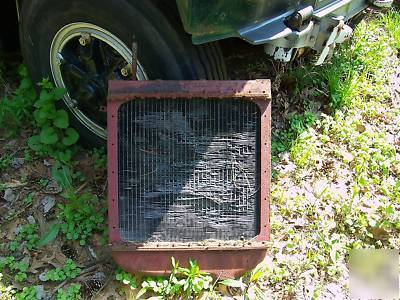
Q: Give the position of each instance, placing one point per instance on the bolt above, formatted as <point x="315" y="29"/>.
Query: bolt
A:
<point x="85" y="39"/>
<point x="73" y="103"/>
<point x="126" y="71"/>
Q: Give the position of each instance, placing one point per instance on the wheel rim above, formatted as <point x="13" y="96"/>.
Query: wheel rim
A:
<point x="83" y="57"/>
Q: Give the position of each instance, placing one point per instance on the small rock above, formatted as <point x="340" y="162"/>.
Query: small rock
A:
<point x="47" y="163"/>
<point x="31" y="220"/>
<point x="48" y="203"/>
<point x="335" y="290"/>
<point x="284" y="157"/>
<point x="40" y="293"/>
<point x="16" y="163"/>
<point x="347" y="157"/>
<point x="42" y="276"/>
<point x="53" y="188"/>
<point x="11" y="144"/>
<point x="92" y="252"/>
<point x="9" y="195"/>
<point x="17" y="230"/>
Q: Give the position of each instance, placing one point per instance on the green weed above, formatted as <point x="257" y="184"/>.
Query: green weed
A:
<point x="5" y="162"/>
<point x="28" y="200"/>
<point x="28" y="293"/>
<point x="81" y="216"/>
<point x="190" y="282"/>
<point x="16" y="112"/>
<point x="125" y="278"/>
<point x="392" y="22"/>
<point x="18" y="269"/>
<point x="27" y="236"/>
<point x="249" y="284"/>
<point x="69" y="271"/>
<point x="72" y="293"/>
<point x="55" y="138"/>
<point x="100" y="159"/>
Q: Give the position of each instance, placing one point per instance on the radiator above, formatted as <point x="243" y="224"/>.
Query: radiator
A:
<point x="188" y="172"/>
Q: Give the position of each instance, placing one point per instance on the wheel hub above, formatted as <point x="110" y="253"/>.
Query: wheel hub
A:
<point x="83" y="57"/>
<point x="92" y="92"/>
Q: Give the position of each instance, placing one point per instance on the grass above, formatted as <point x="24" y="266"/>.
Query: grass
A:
<point x="339" y="188"/>
<point x="336" y="185"/>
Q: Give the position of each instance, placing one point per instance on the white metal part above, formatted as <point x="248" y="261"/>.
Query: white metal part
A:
<point x="279" y="53"/>
<point x="345" y="34"/>
<point x="339" y="34"/>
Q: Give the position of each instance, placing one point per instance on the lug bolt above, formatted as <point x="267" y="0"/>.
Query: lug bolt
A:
<point x="126" y="71"/>
<point x="85" y="39"/>
<point x="73" y="103"/>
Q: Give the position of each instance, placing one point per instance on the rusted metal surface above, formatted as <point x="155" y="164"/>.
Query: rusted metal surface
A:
<point x="209" y="246"/>
<point x="217" y="258"/>
<point x="121" y="91"/>
<point x="221" y="263"/>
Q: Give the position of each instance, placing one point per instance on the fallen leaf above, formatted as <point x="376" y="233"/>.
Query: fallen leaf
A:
<point x="49" y="236"/>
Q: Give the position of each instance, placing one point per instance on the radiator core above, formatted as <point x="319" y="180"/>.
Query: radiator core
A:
<point x="188" y="170"/>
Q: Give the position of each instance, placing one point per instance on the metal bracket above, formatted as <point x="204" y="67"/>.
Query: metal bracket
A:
<point x="129" y="71"/>
<point x="340" y="33"/>
<point x="134" y="57"/>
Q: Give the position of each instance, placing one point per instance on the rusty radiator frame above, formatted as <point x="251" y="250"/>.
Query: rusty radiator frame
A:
<point x="225" y="258"/>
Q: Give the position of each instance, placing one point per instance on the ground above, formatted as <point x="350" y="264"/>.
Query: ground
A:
<point x="335" y="187"/>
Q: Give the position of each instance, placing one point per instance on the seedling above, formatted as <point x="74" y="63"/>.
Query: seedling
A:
<point x="55" y="138"/>
<point x="27" y="236"/>
<point x="16" y="112"/>
<point x="72" y="293"/>
<point x="81" y="216"/>
<point x="100" y="159"/>
<point x="69" y="271"/>
<point x="126" y="278"/>
<point x="19" y="269"/>
<point x="28" y="199"/>
<point x="189" y="281"/>
<point x="28" y="293"/>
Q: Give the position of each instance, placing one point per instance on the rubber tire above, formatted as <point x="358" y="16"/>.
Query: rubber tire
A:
<point x="164" y="50"/>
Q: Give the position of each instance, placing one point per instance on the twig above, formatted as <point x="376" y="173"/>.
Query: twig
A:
<point x="81" y="188"/>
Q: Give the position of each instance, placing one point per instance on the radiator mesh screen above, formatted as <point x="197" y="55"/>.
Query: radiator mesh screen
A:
<point x="188" y="170"/>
